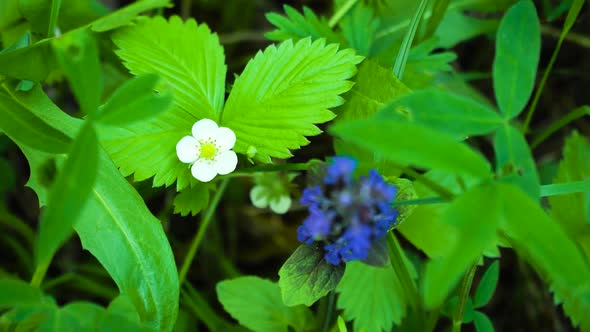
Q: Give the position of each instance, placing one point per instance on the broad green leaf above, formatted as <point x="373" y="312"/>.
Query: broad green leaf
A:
<point x="59" y="320"/>
<point x="482" y="322"/>
<point x="192" y="200"/>
<point x="371" y="296"/>
<point x="487" y="285"/>
<point x="256" y="303"/>
<point x="391" y="139"/>
<point x="77" y="54"/>
<point x="514" y="161"/>
<point x="22" y="125"/>
<point x="68" y="195"/>
<point x="306" y="276"/>
<point x="457" y="27"/>
<point x="29" y="63"/>
<point x="473" y="232"/>
<point x="518" y="47"/>
<point x="37" y="13"/>
<point x="535" y="236"/>
<point x="295" y="25"/>
<point x="457" y="116"/>
<point x="18" y="293"/>
<point x="359" y="26"/>
<point x="86" y="313"/>
<point x="117" y="228"/>
<point x="135" y="101"/>
<point x="283" y="92"/>
<point x="126" y="14"/>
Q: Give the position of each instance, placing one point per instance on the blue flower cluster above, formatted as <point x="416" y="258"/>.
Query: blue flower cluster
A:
<point x="347" y="215"/>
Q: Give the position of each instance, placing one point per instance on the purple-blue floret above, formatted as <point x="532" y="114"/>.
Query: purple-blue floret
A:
<point x="347" y="215"/>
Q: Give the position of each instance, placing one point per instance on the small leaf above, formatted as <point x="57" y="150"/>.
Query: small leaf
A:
<point x="135" y="101"/>
<point x="256" y="303"/>
<point x="359" y="27"/>
<point x="518" y="48"/>
<point x="487" y="285"/>
<point x="283" y="92"/>
<point x="296" y="26"/>
<point x="18" y="293"/>
<point x="87" y="314"/>
<point x="126" y="14"/>
<point x="341" y="324"/>
<point x="482" y="322"/>
<point x="371" y="296"/>
<point x="457" y="116"/>
<point x="192" y="200"/>
<point x="306" y="276"/>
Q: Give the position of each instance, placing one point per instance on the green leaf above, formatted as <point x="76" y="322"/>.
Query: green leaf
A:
<point x="296" y="26"/>
<point x="404" y="50"/>
<point x="29" y="63"/>
<point x="135" y="101"/>
<point x="256" y="303"/>
<point x="9" y="13"/>
<point x="38" y="13"/>
<point x="117" y="228"/>
<point x="306" y="276"/>
<point x="87" y="314"/>
<point x="283" y="92"/>
<point x="7" y="177"/>
<point x="457" y="116"/>
<point x="341" y="325"/>
<point x="18" y="293"/>
<point x="487" y="285"/>
<point x="68" y="195"/>
<point x="469" y="240"/>
<point x="518" y="47"/>
<point x="514" y="161"/>
<point x="482" y="322"/>
<point x="371" y="296"/>
<point x="22" y="125"/>
<point x="192" y="200"/>
<point x="77" y="54"/>
<point x="126" y="14"/>
<point x="535" y="236"/>
<point x="390" y="139"/>
<point x="359" y="27"/>
<point x="59" y="320"/>
<point x="456" y="27"/>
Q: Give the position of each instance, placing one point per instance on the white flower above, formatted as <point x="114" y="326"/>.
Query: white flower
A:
<point x="208" y="150"/>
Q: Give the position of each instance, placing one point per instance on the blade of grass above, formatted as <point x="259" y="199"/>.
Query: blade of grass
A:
<point x="404" y="51"/>
<point x="55" y="5"/>
<point x="341" y="12"/>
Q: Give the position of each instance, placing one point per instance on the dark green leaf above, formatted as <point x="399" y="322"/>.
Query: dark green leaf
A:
<point x="77" y="54"/>
<point x="192" y="200"/>
<point x="30" y="63"/>
<point x="482" y="322"/>
<point x="256" y="303"/>
<point x="306" y="276"/>
<point x="457" y="116"/>
<point x="371" y="296"/>
<point x="18" y="293"/>
<point x="487" y="285"/>
<point x="38" y="13"/>
<point x="68" y="195"/>
<point x="126" y="14"/>
<point x="135" y="100"/>
<point x="518" y="47"/>
<point x="86" y="313"/>
<point x="7" y="177"/>
<point x="514" y="161"/>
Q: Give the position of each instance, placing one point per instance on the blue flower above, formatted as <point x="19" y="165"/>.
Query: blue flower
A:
<point x="347" y="215"/>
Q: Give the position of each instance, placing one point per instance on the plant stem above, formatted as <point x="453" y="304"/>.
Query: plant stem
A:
<point x="341" y="12"/>
<point x="420" y="201"/>
<point x="17" y="225"/>
<point x="404" y="51"/>
<point x="201" y="232"/>
<point x="329" y="311"/>
<point x="185" y="8"/>
<point x="401" y="270"/>
<point x="39" y="274"/>
<point x="53" y="15"/>
<point x="443" y="192"/>
<point x="464" y="290"/>
<point x="560" y="123"/>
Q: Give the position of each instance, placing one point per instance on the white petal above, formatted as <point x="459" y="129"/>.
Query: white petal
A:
<point x="203" y="170"/>
<point x="259" y="197"/>
<point x="226" y="162"/>
<point x="281" y="204"/>
<point x="204" y="129"/>
<point x="224" y="138"/>
<point x="188" y="149"/>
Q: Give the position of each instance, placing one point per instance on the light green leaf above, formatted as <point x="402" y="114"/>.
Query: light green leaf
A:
<point x="457" y="116"/>
<point x="68" y="195"/>
<point x="518" y="47"/>
<point x="126" y="14"/>
<point x="18" y="293"/>
<point x="482" y="322"/>
<point x="371" y="296"/>
<point x="29" y="63"/>
<point x="487" y="285"/>
<point x="359" y="27"/>
<point x="390" y="139"/>
<point x="514" y="161"/>
<point x="283" y="92"/>
<point x="192" y="200"/>
<point x="306" y="276"/>
<point x="135" y="101"/>
<point x="256" y="303"/>
<point x="77" y="54"/>
<point x="295" y="25"/>
<point x="341" y="324"/>
<point x="469" y="240"/>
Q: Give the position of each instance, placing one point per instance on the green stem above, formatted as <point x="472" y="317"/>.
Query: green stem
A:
<point x="562" y="122"/>
<point x="571" y="37"/>
<point x="17" y="225"/>
<point x="420" y="201"/>
<point x="201" y="232"/>
<point x="329" y="312"/>
<point x="464" y="290"/>
<point x="53" y="15"/>
<point x="443" y="192"/>
<point x="39" y="274"/>
<point x="341" y="12"/>
<point x="401" y="270"/>
<point x="199" y="306"/>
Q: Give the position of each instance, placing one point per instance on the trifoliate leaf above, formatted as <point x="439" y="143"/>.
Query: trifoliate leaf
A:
<point x="306" y="276"/>
<point x="371" y="296"/>
<point x="283" y="92"/>
<point x="296" y="26"/>
<point x="190" y="60"/>
<point x="256" y="303"/>
<point x="192" y="200"/>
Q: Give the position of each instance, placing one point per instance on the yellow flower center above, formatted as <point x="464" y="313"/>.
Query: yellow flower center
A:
<point x="208" y="150"/>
